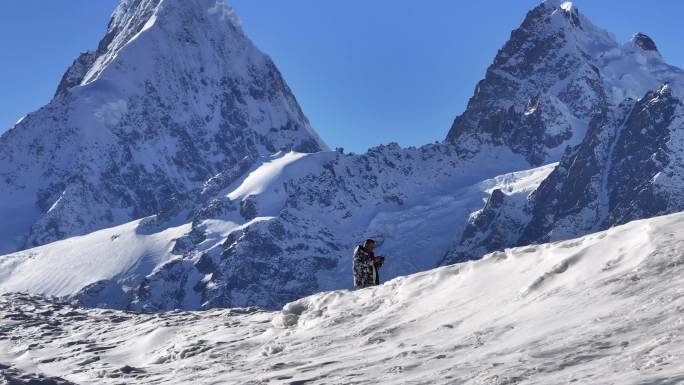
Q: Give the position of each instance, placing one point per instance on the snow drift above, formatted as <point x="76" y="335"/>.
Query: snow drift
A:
<point x="602" y="309"/>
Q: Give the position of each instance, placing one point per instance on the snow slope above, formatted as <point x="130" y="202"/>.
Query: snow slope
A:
<point x="66" y="267"/>
<point x="602" y="309"/>
<point x="274" y="235"/>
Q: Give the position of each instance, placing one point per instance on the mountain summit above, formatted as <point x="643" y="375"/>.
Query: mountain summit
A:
<point x="628" y="164"/>
<point x="557" y="70"/>
<point x="174" y="95"/>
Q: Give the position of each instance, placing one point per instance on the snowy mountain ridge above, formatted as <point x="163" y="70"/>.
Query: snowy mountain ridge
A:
<point x="175" y="94"/>
<point x="627" y="167"/>
<point x="279" y="232"/>
<point x="601" y="309"/>
<point x="626" y="163"/>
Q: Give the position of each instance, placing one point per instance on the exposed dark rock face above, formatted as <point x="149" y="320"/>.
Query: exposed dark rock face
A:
<point x="644" y="42"/>
<point x="541" y="85"/>
<point x="484" y="232"/>
<point x="76" y="72"/>
<point x="645" y="149"/>
<point x="616" y="155"/>
<point x="627" y="168"/>
<point x="612" y="177"/>
<point x="549" y="80"/>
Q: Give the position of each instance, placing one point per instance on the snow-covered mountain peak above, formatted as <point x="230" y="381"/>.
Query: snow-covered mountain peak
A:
<point x="174" y="95"/>
<point x="567" y="9"/>
<point x="564" y="22"/>
<point x="128" y="20"/>
<point x="569" y="13"/>
<point x="627" y="167"/>
<point x="556" y="71"/>
<point x="567" y="6"/>
<point x="171" y="26"/>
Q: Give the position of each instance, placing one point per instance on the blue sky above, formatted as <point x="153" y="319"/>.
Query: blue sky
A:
<point x="365" y="72"/>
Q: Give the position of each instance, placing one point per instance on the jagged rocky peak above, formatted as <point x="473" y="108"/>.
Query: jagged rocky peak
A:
<point x="621" y="157"/>
<point x="547" y="82"/>
<point x="628" y="167"/>
<point x="178" y="26"/>
<point x="553" y="8"/>
<point x="644" y="42"/>
<point x="166" y="28"/>
<point x="541" y="89"/>
<point x="572" y="12"/>
<point x="174" y="95"/>
<point x="128" y="19"/>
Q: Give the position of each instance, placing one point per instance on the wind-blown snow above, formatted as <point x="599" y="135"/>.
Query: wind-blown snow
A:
<point x="268" y="173"/>
<point x="602" y="309"/>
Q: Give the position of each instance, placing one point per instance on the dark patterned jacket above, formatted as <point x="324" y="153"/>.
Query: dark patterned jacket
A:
<point x="365" y="272"/>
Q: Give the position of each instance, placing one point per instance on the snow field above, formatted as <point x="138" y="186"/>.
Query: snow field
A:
<point x="602" y="309"/>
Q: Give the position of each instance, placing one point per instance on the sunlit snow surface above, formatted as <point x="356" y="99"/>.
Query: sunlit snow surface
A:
<point x="65" y="267"/>
<point x="602" y="309"/>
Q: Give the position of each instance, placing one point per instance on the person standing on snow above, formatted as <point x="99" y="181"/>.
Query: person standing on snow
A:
<point x="365" y="265"/>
